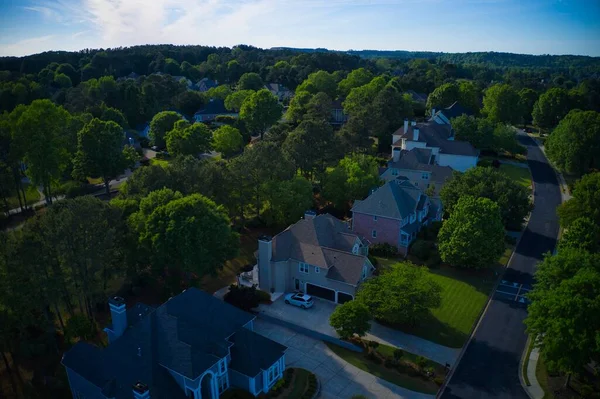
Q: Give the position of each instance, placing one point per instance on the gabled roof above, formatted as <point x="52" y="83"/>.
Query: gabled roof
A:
<point x="435" y="135"/>
<point x="454" y="110"/>
<point x="276" y="87"/>
<point x="251" y="352"/>
<point x="417" y="159"/>
<point x="215" y="106"/>
<point x="322" y="241"/>
<point x="418" y="97"/>
<point x="396" y="199"/>
<point x="187" y="334"/>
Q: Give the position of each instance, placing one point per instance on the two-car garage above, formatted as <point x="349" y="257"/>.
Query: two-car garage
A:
<point x="327" y="293"/>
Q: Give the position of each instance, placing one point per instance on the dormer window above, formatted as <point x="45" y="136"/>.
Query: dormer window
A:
<point x="355" y="249"/>
<point x="374" y="218"/>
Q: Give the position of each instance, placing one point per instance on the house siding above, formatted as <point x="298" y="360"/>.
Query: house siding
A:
<point x="388" y="230"/>
<point x="414" y="176"/>
<point x="315" y="278"/>
<point x="80" y="385"/>
<point x="239" y="380"/>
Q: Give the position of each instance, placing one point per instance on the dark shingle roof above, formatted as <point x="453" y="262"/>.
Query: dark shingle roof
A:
<point x="396" y="200"/>
<point x="251" y="352"/>
<point x="214" y="107"/>
<point x="454" y="110"/>
<point x="312" y="241"/>
<point x="187" y="334"/>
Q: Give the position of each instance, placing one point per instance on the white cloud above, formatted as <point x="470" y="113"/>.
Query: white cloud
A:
<point x="27" y="46"/>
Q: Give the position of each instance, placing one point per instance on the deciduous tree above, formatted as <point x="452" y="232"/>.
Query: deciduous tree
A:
<point x="582" y="234"/>
<point x="227" y="140"/>
<point x="501" y="104"/>
<point x="352" y="179"/>
<point x="351" y="318"/>
<point x="260" y="110"/>
<point x="473" y="236"/>
<point x="551" y="107"/>
<point x="189" y="140"/>
<point x="288" y="200"/>
<point x="584" y="202"/>
<point x="161" y="124"/>
<point x="250" y="81"/>
<point x="401" y="295"/>
<point x="234" y="101"/>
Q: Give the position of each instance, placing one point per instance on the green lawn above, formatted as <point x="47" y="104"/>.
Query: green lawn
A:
<point x="518" y="174"/>
<point x="161" y="162"/>
<point x="32" y="195"/>
<point x="414" y="383"/>
<point x="464" y="294"/>
<point x="300" y="384"/>
<point x="541" y="374"/>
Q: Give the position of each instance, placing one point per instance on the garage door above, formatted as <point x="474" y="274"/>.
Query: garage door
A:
<point x="320" y="292"/>
<point x="343" y="297"/>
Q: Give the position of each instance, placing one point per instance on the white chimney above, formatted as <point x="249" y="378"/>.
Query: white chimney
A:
<point x="396" y="154"/>
<point x="405" y="126"/>
<point x="265" y="254"/>
<point x="413" y="123"/>
<point x="416" y="134"/>
<point x="432" y="112"/>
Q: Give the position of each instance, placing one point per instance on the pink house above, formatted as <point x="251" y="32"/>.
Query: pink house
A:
<point x="394" y="214"/>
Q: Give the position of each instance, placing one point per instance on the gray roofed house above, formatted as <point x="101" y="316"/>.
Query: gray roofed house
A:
<point x="318" y="255"/>
<point x="280" y="91"/>
<point x="394" y="214"/>
<point x="439" y="138"/>
<point x="194" y="345"/>
<point x="443" y="116"/>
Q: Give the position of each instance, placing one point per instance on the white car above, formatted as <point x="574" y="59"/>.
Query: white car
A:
<point x="299" y="299"/>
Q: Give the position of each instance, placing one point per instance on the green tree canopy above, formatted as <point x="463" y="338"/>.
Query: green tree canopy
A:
<point x="351" y="179"/>
<point x="477" y="131"/>
<point x="565" y="301"/>
<point x="574" y="146"/>
<point x="161" y="124"/>
<point x="113" y="114"/>
<point x="288" y="200"/>
<point x="309" y="145"/>
<point x="351" y="318"/>
<point x="62" y="81"/>
<point x="298" y="106"/>
<point x="189" y="140"/>
<point x="511" y="197"/>
<point x="185" y="234"/>
<point x="401" y="295"/>
<point x="527" y="99"/>
<point x="100" y="152"/>
<point x="355" y="78"/>
<point x="260" y="110"/>
<point x="501" y="103"/>
<point x="227" y="140"/>
<point x="466" y="93"/>
<point x="320" y="81"/>
<point x="40" y="135"/>
<point x="473" y="236"/>
<point x="584" y="202"/>
<point x="250" y="81"/>
<point x="234" y="101"/>
<point x="551" y="107"/>
<point x="582" y="234"/>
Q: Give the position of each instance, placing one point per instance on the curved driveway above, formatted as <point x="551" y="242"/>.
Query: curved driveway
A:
<point x="489" y="367"/>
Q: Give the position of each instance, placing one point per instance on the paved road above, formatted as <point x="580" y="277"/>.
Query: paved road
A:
<point x="490" y="365"/>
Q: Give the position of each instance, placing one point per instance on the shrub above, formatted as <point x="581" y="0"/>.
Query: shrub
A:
<point x="385" y="249"/>
<point x="242" y="297"/>
<point x="434" y="259"/>
<point x="421" y="362"/>
<point x="72" y="189"/>
<point x="398" y="353"/>
<point x="389" y="362"/>
<point x="510" y="240"/>
<point x="373" y="344"/>
<point x="439" y="380"/>
<point x="496" y="164"/>
<point x="263" y="296"/>
<point x="485" y="163"/>
<point x="422" y="249"/>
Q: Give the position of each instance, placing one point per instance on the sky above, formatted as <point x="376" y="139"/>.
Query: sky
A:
<point x="517" y="26"/>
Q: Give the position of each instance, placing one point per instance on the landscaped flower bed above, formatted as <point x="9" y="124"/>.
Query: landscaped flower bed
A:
<point x="295" y="384"/>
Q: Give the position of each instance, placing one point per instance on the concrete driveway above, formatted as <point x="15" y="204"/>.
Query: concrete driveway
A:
<point x="339" y="379"/>
<point x="317" y="319"/>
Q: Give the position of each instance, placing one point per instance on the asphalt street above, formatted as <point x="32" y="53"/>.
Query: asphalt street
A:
<point x="489" y="367"/>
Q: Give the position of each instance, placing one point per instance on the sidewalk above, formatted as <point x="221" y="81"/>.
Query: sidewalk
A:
<point x="534" y="389"/>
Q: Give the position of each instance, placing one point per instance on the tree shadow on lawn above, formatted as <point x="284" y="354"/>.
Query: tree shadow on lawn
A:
<point x="482" y="280"/>
<point x="432" y="329"/>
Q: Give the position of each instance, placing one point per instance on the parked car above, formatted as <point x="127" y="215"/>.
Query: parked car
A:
<point x="302" y="300"/>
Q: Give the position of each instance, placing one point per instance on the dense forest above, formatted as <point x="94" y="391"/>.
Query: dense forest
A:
<point x="63" y="116"/>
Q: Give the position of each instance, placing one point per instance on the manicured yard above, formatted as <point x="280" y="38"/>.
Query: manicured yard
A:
<point x="161" y="162"/>
<point x="464" y="294"/>
<point x="298" y="386"/>
<point x="541" y="373"/>
<point x="413" y="382"/>
<point x="518" y="174"/>
<point x="32" y="195"/>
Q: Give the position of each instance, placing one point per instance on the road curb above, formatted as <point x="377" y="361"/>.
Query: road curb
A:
<point x="525" y="358"/>
<point x="487" y="305"/>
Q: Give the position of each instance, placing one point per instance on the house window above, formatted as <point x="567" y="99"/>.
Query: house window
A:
<point x="364" y="272"/>
<point x="222" y="366"/>
<point x="374" y="234"/>
<point x="222" y="383"/>
<point x="394" y="172"/>
<point x="374" y="218"/>
<point x="303" y="267"/>
<point x="273" y="373"/>
<point x="317" y="269"/>
<point x="425" y="176"/>
<point x="416" y="184"/>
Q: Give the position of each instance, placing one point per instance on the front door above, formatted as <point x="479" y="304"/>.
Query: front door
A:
<point x="297" y="284"/>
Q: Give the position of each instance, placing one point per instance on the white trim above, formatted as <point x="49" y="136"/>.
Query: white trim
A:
<point x="317" y="269"/>
<point x="303" y="266"/>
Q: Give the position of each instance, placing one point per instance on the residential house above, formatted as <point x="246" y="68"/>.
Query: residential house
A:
<point x="205" y="84"/>
<point x="394" y="213"/>
<point x="192" y="346"/>
<point x="131" y="138"/>
<point x="417" y="166"/>
<point x="338" y="117"/>
<point x="211" y="110"/>
<point x="318" y="255"/>
<point x="439" y="138"/>
<point x="188" y="83"/>
<point x="143" y="130"/>
<point x="444" y="115"/>
<point x="420" y="98"/>
<point x="282" y="93"/>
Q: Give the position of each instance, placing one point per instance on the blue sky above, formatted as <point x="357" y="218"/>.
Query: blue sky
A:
<point x="519" y="26"/>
